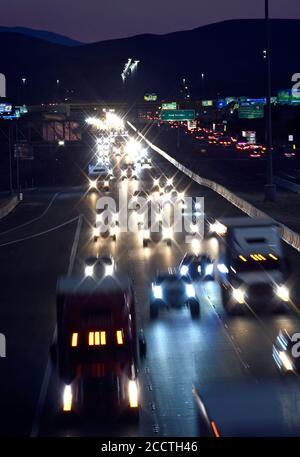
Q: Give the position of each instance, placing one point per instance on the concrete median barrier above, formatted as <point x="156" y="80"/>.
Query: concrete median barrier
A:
<point x="288" y="235"/>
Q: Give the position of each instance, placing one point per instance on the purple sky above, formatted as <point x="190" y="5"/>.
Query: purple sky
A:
<point x="94" y="20"/>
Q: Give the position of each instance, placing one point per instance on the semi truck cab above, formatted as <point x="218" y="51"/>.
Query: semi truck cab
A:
<point x="250" y="266"/>
<point x="97" y="346"/>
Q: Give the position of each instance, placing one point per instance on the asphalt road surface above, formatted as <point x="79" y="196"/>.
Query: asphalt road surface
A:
<point x="49" y="235"/>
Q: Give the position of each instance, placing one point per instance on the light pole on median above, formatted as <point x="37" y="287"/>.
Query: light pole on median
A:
<point x="23" y="90"/>
<point x="270" y="188"/>
<point x="202" y="85"/>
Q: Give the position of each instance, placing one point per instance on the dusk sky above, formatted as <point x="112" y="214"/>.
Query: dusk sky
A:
<point x="95" y="20"/>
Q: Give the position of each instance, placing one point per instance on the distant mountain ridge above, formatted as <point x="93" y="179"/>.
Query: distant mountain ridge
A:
<point x="229" y="54"/>
<point x="42" y="34"/>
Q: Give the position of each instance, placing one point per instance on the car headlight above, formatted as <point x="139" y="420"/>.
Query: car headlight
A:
<point x="133" y="394"/>
<point x="146" y="234"/>
<point x="89" y="270"/>
<point x="167" y="232"/>
<point x="109" y="269"/>
<point x="190" y="290"/>
<point x="113" y="230"/>
<point x="67" y="398"/>
<point x="209" y="269"/>
<point x="157" y="291"/>
<point x="286" y="361"/>
<point x="93" y="183"/>
<point x="283" y="293"/>
<point x="238" y="295"/>
<point x="184" y="270"/>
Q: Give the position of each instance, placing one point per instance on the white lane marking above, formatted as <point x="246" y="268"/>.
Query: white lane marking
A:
<point x="230" y="337"/>
<point x="47" y="374"/>
<point x="32" y="220"/>
<point x="44" y="232"/>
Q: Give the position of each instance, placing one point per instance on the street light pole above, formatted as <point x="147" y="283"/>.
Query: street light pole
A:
<point x="270" y="188"/>
<point x="23" y="90"/>
<point x="10" y="160"/>
<point x="57" y="90"/>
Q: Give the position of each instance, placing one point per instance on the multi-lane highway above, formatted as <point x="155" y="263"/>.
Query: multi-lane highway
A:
<point x="49" y="235"/>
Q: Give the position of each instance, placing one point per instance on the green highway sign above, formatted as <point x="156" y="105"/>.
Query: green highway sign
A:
<point x="250" y="111"/>
<point x="177" y="115"/>
<point x="150" y="97"/>
<point x="207" y="102"/>
<point x="170" y="105"/>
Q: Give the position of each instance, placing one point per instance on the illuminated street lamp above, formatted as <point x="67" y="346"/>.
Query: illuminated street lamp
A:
<point x="270" y="188"/>
<point x="23" y="89"/>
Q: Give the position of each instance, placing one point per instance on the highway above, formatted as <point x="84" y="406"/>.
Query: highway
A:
<point x="50" y="235"/>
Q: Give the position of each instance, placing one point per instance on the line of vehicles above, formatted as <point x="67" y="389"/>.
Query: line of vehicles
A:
<point x="241" y="148"/>
<point x="99" y="347"/>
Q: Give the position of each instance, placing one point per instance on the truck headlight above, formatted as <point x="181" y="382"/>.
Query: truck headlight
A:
<point x="286" y="361"/>
<point x="184" y="270"/>
<point x="89" y="270"/>
<point x="157" y="291"/>
<point x="67" y="398"/>
<point x="190" y="290"/>
<point x="167" y="232"/>
<point x="238" y="295"/>
<point x="283" y="293"/>
<point x="218" y="228"/>
<point x="133" y="394"/>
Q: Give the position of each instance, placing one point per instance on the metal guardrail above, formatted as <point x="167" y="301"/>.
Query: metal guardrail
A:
<point x="288" y="235"/>
<point x="6" y="208"/>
